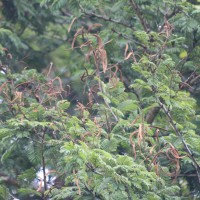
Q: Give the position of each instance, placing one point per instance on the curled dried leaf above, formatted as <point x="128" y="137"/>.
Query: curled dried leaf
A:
<point x="152" y="148"/>
<point x="132" y="143"/>
<point x="80" y="31"/>
<point x="94" y="26"/>
<point x="86" y="44"/>
<point x="128" y="56"/>
<point x="76" y="180"/>
<point x="125" y="52"/>
<point x="70" y="26"/>
<point x="140" y="133"/>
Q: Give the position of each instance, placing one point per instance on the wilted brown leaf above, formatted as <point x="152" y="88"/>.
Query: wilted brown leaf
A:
<point x="70" y="26"/>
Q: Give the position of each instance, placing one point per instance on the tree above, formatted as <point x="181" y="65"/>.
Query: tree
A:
<point x="134" y="135"/>
<point x="26" y="32"/>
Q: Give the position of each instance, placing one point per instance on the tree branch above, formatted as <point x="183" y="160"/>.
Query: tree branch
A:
<point x="127" y="38"/>
<point x="151" y="115"/>
<point x="139" y="14"/>
<point x="105" y="18"/>
<point x="168" y="16"/>
<point x="190" y="154"/>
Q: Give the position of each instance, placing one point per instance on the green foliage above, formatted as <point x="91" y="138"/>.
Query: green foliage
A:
<point x="89" y="158"/>
<point x="25" y="29"/>
<point x="120" y="124"/>
<point x="4" y="194"/>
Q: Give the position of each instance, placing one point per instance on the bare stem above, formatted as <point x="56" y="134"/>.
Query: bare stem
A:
<point x="190" y="154"/>
<point x="105" y="18"/>
<point x="139" y="14"/>
<point x="44" y="164"/>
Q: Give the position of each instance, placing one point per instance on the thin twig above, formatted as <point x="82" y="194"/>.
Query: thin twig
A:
<point x="190" y="154"/>
<point x="168" y="16"/>
<point x="113" y="114"/>
<point x="105" y="18"/>
<point x="44" y="164"/>
<point x="127" y="38"/>
<point x="139" y="14"/>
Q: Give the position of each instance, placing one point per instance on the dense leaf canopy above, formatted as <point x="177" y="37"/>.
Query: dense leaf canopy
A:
<point x="99" y="99"/>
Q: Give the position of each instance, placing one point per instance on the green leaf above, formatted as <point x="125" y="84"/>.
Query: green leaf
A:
<point x="63" y="105"/>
